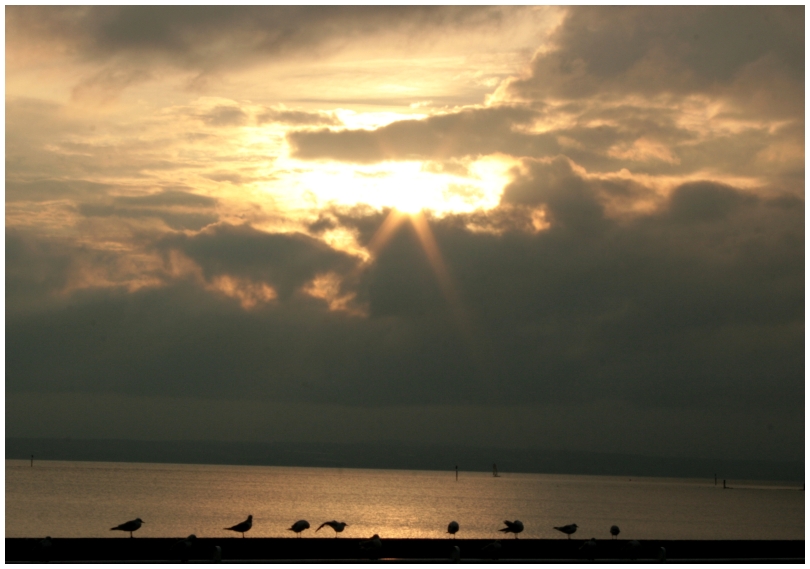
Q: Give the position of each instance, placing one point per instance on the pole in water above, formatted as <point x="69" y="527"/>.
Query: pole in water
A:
<point x="457" y="473"/>
<point x="32" y="460"/>
<point x="724" y="483"/>
<point x="715" y="479"/>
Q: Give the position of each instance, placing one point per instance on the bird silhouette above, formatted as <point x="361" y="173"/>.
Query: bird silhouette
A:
<point x="337" y="526"/>
<point x="615" y="531"/>
<point x="568" y="530"/>
<point x="242" y="527"/>
<point x="299" y="526"/>
<point x="589" y="547"/>
<point x="492" y="550"/>
<point x="452" y="528"/>
<point x="130" y="526"/>
<point x="512" y="527"/>
<point x="633" y="549"/>
<point x="184" y="547"/>
<point x="372" y="546"/>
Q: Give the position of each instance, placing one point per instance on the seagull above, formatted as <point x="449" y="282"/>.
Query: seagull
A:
<point x="129" y="526"/>
<point x="185" y="545"/>
<point x="492" y="549"/>
<point x="45" y="547"/>
<point x="569" y="529"/>
<point x="188" y="542"/>
<point x="590" y="548"/>
<point x="512" y="527"/>
<point x="373" y="545"/>
<point x="337" y="526"/>
<point x="299" y="526"/>
<point x="242" y="527"/>
<point x="634" y="546"/>
<point x="452" y="528"/>
<point x="614" y="531"/>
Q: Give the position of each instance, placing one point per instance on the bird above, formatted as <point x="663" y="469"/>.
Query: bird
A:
<point x="299" y="526"/>
<point x="452" y="528"/>
<point x="45" y="547"/>
<point x="662" y="554"/>
<point x="492" y="549"/>
<point x="590" y="548"/>
<point x="633" y="547"/>
<point x="242" y="527"/>
<point x="568" y="530"/>
<point x="130" y="526"/>
<point x="512" y="527"/>
<point x="615" y="531"/>
<point x="372" y="546"/>
<point x="188" y="542"/>
<point x="184" y="546"/>
<point x="455" y="554"/>
<point x="337" y="526"/>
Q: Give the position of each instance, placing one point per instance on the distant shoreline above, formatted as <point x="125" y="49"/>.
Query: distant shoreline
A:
<point x="400" y="456"/>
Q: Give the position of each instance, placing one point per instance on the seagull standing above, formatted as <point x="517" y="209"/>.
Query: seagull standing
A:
<point x="633" y="547"/>
<point x="614" y="531"/>
<point x="337" y="526"/>
<point x="299" y="526"/>
<point x="568" y="530"/>
<point x="452" y="528"/>
<point x="492" y="549"/>
<point x="590" y="548"/>
<point x="45" y="547"/>
<point x="129" y="526"/>
<point x="184" y="546"/>
<point x="242" y="527"/>
<point x="512" y="527"/>
<point x="373" y="546"/>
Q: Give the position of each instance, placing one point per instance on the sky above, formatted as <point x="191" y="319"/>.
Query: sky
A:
<point x="572" y="228"/>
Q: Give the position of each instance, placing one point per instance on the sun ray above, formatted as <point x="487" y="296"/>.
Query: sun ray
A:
<point x="386" y="231"/>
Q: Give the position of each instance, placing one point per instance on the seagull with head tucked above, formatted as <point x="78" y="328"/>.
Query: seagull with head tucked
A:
<point x="512" y="527"/>
<point x="452" y="528"/>
<point x="299" y="526"/>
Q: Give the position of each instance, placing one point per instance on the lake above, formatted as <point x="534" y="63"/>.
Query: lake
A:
<point x="86" y="499"/>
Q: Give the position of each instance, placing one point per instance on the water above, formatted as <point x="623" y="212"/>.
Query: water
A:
<point x="86" y="499"/>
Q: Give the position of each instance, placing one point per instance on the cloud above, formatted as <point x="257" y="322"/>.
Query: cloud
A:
<point x="178" y="209"/>
<point x="208" y="38"/>
<point x="284" y="261"/>
<point x="662" y="49"/>
<point x="297" y="118"/>
<point x="469" y="132"/>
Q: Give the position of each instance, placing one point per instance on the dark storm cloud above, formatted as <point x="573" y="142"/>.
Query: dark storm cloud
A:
<point x="600" y="139"/>
<point x="205" y="38"/>
<point x="178" y="209"/>
<point x="285" y="261"/>
<point x="696" y="305"/>
<point x="469" y="132"/>
<point x="681" y="49"/>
